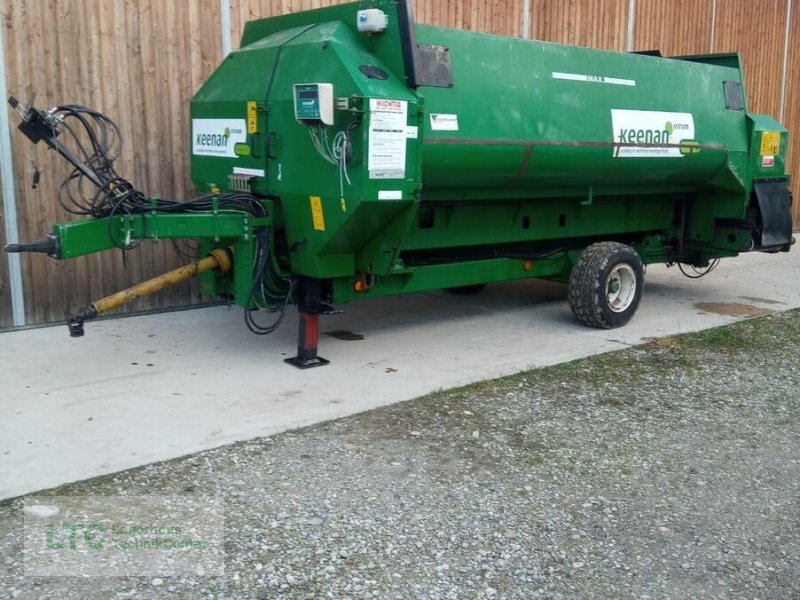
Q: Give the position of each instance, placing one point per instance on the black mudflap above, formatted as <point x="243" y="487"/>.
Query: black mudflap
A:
<point x="774" y="213"/>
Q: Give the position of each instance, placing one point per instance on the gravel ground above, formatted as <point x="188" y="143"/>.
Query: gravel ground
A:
<point x="669" y="470"/>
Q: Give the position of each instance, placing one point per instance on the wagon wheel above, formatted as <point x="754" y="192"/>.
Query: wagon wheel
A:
<point x="605" y="285"/>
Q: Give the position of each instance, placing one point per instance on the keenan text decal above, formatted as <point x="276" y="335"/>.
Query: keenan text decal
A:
<point x="652" y="134"/>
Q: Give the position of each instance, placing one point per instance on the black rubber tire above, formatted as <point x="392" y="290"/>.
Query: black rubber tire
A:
<point x="588" y="296"/>
<point x="466" y="290"/>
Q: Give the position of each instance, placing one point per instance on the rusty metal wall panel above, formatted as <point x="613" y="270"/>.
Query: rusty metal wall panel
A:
<point x="139" y="62"/>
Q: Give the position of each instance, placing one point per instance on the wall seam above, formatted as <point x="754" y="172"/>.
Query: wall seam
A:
<point x="225" y="26"/>
<point x="713" y="26"/>
<point x="10" y="198"/>
<point x="784" y="75"/>
<point x="526" y="19"/>
<point x="631" y="19"/>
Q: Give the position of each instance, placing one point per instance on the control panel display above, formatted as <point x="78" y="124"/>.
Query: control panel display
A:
<point x="313" y="103"/>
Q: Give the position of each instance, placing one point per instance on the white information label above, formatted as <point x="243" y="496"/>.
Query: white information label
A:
<point x="412" y="131"/>
<point x="217" y="137"/>
<point x="650" y="133"/>
<point x="594" y="78"/>
<point x="386" y="158"/>
<point x="245" y="171"/>
<point x="444" y="122"/>
<point x="390" y="195"/>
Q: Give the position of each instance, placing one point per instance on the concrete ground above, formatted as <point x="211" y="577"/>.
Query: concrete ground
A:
<point x="144" y="389"/>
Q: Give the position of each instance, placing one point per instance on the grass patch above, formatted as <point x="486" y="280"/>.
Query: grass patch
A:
<point x="725" y="337"/>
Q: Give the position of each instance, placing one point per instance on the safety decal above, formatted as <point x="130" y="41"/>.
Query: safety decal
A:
<point x="386" y="156"/>
<point x="252" y="117"/>
<point x="316" y="213"/>
<point x="770" y="142"/>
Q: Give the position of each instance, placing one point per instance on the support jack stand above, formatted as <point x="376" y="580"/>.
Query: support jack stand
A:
<point x="307" y="342"/>
<point x="309" y="309"/>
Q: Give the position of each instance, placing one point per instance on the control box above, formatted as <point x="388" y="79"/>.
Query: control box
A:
<point x="313" y="103"/>
<point x="372" y="20"/>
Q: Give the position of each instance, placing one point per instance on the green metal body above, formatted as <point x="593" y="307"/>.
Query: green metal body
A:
<point x="536" y="151"/>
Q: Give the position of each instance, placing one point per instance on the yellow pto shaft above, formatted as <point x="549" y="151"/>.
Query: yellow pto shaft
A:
<point x="219" y="259"/>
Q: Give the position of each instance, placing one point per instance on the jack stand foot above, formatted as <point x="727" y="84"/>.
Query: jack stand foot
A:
<point x="307" y="342"/>
<point x="306" y="363"/>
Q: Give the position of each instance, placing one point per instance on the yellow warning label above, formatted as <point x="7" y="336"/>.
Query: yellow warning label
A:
<point x="770" y="142"/>
<point x="252" y="117"/>
<point x="316" y="213"/>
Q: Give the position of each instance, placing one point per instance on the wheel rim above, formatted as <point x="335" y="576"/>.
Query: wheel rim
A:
<point x="620" y="287"/>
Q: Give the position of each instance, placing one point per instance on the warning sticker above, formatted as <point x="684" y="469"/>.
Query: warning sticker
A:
<point x="316" y="213"/>
<point x="252" y="117"/>
<point x="767" y="161"/>
<point x="386" y="158"/>
<point x="770" y="143"/>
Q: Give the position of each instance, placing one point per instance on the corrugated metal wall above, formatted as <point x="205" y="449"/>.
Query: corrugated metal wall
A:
<point x="140" y="61"/>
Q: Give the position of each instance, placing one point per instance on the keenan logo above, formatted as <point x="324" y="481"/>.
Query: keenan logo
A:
<point x="211" y="140"/>
<point x="219" y="137"/>
<point x="651" y="136"/>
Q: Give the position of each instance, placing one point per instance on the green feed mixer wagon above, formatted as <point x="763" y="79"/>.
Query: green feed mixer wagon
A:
<point x="347" y="152"/>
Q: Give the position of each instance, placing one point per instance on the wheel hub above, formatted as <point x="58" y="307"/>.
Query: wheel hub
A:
<point x="620" y="287"/>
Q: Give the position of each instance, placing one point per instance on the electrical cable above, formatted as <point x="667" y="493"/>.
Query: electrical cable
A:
<point x="97" y="143"/>
<point x="698" y="273"/>
<point x="334" y="152"/>
<point x="273" y="295"/>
